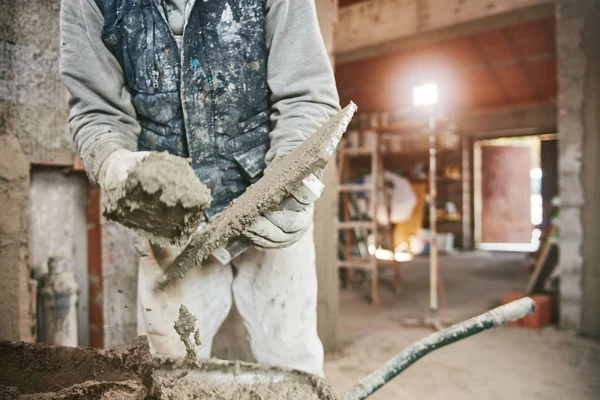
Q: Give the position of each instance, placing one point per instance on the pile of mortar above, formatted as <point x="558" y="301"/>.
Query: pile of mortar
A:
<point x="162" y="199"/>
<point x="47" y="372"/>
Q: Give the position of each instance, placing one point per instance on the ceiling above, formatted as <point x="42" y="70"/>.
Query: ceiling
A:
<point x="508" y="67"/>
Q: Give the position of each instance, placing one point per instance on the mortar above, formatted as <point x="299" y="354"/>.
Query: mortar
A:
<point x="162" y="199"/>
<point x="218" y="379"/>
<point x="48" y="372"/>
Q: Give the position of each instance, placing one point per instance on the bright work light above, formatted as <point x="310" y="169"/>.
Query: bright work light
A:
<point x="425" y="95"/>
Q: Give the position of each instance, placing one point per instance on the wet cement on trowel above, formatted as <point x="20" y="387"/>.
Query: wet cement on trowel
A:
<point x="266" y="194"/>
<point x="162" y="199"/>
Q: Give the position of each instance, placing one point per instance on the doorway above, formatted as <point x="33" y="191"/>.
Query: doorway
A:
<point x="507" y="193"/>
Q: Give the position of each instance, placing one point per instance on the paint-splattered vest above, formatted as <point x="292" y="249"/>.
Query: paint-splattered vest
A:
<point x="209" y="101"/>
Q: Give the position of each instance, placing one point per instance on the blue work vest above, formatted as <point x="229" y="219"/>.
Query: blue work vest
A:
<point x="208" y="101"/>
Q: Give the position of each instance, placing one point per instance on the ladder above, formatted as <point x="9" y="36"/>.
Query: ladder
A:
<point x="357" y="230"/>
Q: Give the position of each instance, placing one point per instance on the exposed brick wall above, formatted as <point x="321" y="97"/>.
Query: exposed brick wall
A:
<point x="385" y="82"/>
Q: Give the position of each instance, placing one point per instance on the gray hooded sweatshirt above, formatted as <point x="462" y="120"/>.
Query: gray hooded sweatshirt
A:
<point x="102" y="118"/>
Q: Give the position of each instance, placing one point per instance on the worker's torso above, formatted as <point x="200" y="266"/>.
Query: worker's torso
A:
<point x="209" y="99"/>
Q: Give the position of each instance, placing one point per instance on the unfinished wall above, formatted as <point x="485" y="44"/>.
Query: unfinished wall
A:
<point x="33" y="129"/>
<point x="57" y="227"/>
<point x="14" y="272"/>
<point x="33" y="122"/>
<point x="33" y="101"/>
<point x="578" y="41"/>
<point x="120" y="261"/>
<point x="590" y="319"/>
<point x="325" y="215"/>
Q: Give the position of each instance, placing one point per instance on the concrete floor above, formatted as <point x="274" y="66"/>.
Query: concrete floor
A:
<point x="504" y="363"/>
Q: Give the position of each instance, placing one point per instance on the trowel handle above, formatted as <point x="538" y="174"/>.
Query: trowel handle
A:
<point x="304" y="194"/>
<point x="232" y="249"/>
<point x="307" y="192"/>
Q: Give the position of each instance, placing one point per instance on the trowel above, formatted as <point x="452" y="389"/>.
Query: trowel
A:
<point x="287" y="182"/>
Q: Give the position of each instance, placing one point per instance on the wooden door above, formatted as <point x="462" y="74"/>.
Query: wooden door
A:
<point x="505" y="190"/>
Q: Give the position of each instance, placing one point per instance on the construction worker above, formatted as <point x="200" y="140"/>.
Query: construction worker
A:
<point x="233" y="85"/>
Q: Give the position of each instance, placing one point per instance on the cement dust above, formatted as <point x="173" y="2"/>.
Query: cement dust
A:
<point x="162" y="199"/>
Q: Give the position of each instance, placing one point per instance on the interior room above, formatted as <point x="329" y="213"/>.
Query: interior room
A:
<point x="317" y="199"/>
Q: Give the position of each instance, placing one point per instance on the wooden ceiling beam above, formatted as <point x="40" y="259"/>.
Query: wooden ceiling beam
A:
<point x="375" y="27"/>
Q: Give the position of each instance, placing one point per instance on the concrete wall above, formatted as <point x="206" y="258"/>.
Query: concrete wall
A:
<point x="325" y="215"/>
<point x="15" y="307"/>
<point x="119" y="277"/>
<point x="578" y="43"/>
<point x="33" y="101"/>
<point x="590" y="319"/>
<point x="33" y="126"/>
<point x="57" y="227"/>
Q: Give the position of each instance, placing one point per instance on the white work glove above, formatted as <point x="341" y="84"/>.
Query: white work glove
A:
<point x="280" y="228"/>
<point x="285" y="226"/>
<point x="116" y="167"/>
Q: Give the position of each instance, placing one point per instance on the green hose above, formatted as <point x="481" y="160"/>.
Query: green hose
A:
<point x="407" y="357"/>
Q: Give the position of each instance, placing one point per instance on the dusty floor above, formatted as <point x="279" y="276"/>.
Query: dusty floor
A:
<point x="505" y="363"/>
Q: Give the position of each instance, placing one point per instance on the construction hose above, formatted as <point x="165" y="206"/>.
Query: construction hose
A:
<point x="407" y="357"/>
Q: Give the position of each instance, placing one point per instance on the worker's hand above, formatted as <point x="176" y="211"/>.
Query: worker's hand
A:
<point x="280" y="228"/>
<point x="286" y="225"/>
<point x="115" y="168"/>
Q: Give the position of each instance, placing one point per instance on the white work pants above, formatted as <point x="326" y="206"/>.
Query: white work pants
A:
<point x="275" y="292"/>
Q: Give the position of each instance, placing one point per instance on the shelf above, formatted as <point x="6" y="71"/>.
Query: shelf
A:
<point x="447" y="220"/>
<point x="367" y="151"/>
<point x="363" y="263"/>
<point x="357" y="151"/>
<point x="444" y="219"/>
<point x="438" y="180"/>
<point x="420" y="153"/>
<point x="355" y="187"/>
<point x="355" y="264"/>
<point x="356" y="224"/>
<point x="408" y="126"/>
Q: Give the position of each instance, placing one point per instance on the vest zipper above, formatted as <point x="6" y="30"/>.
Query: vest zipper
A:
<point x="181" y="95"/>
